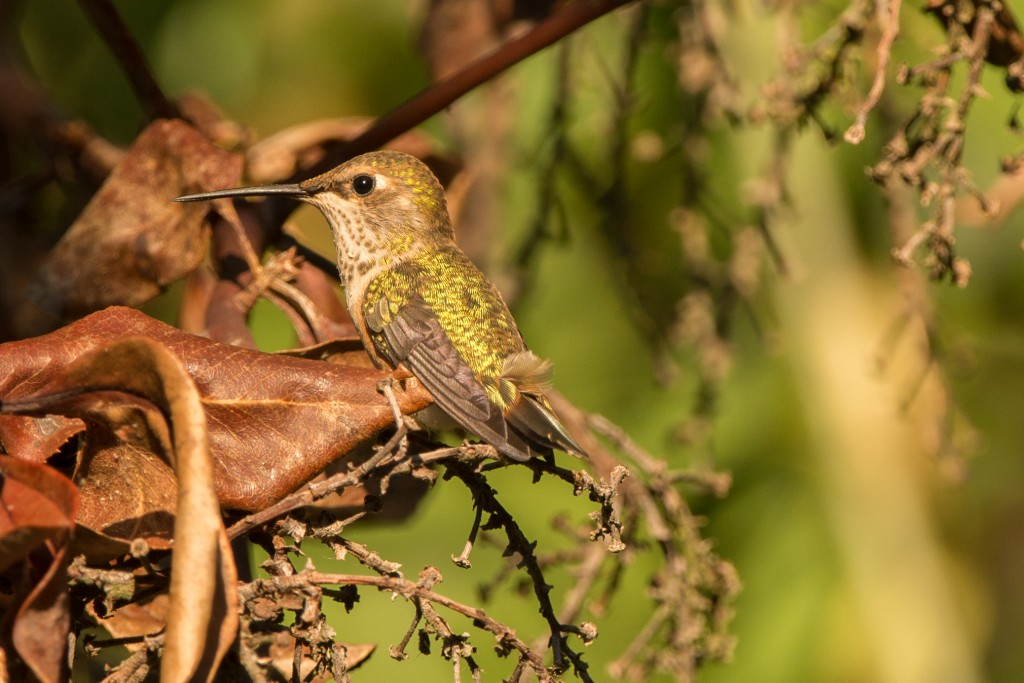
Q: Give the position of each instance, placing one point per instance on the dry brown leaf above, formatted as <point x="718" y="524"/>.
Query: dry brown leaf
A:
<point x="281" y="653"/>
<point x="349" y="351"/>
<point x="357" y="653"/>
<point x="130" y="492"/>
<point x="131" y="241"/>
<point x="136" y="390"/>
<point x="37" y="511"/>
<point x="202" y="615"/>
<point x="156" y="399"/>
<point x="404" y="492"/>
<point x="36" y="439"/>
<point x="146" y="617"/>
<point x="274" y="421"/>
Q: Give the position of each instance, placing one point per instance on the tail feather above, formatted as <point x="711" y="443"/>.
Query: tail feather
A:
<point x="533" y="418"/>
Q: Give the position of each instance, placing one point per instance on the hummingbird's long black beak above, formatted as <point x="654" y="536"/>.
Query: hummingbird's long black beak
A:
<point x="296" y="191"/>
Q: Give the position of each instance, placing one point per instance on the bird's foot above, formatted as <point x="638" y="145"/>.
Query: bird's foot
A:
<point x="404" y="424"/>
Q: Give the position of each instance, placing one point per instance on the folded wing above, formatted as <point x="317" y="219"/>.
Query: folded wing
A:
<point x="414" y="337"/>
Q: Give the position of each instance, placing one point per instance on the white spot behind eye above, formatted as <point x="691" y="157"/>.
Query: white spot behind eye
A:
<point x="381" y="181"/>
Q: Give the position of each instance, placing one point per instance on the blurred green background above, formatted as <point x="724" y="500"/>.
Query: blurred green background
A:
<point x="877" y="508"/>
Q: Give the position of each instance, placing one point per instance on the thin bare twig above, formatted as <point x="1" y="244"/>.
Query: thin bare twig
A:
<point x="484" y="497"/>
<point x="412" y="591"/>
<point x="855" y="133"/>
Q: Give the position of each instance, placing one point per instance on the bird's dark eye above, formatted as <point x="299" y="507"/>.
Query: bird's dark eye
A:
<point x="363" y="184"/>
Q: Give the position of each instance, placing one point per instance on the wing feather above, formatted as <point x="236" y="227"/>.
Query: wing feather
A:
<point x="414" y="337"/>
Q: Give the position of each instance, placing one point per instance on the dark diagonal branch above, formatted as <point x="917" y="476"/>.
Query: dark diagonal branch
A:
<point x="127" y="52"/>
<point x="485" y="498"/>
<point x="436" y="97"/>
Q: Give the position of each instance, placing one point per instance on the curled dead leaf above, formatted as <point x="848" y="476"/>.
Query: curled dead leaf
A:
<point x="36" y="439"/>
<point x="131" y="241"/>
<point x="156" y="403"/>
<point x="37" y="511"/>
<point x="135" y="391"/>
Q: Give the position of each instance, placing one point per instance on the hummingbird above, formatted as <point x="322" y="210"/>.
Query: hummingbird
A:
<point x="422" y="307"/>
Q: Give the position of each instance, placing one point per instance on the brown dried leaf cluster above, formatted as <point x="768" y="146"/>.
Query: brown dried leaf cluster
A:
<point x="37" y="514"/>
<point x="172" y="428"/>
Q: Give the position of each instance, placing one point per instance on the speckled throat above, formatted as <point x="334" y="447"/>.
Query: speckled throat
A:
<point x="366" y="243"/>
